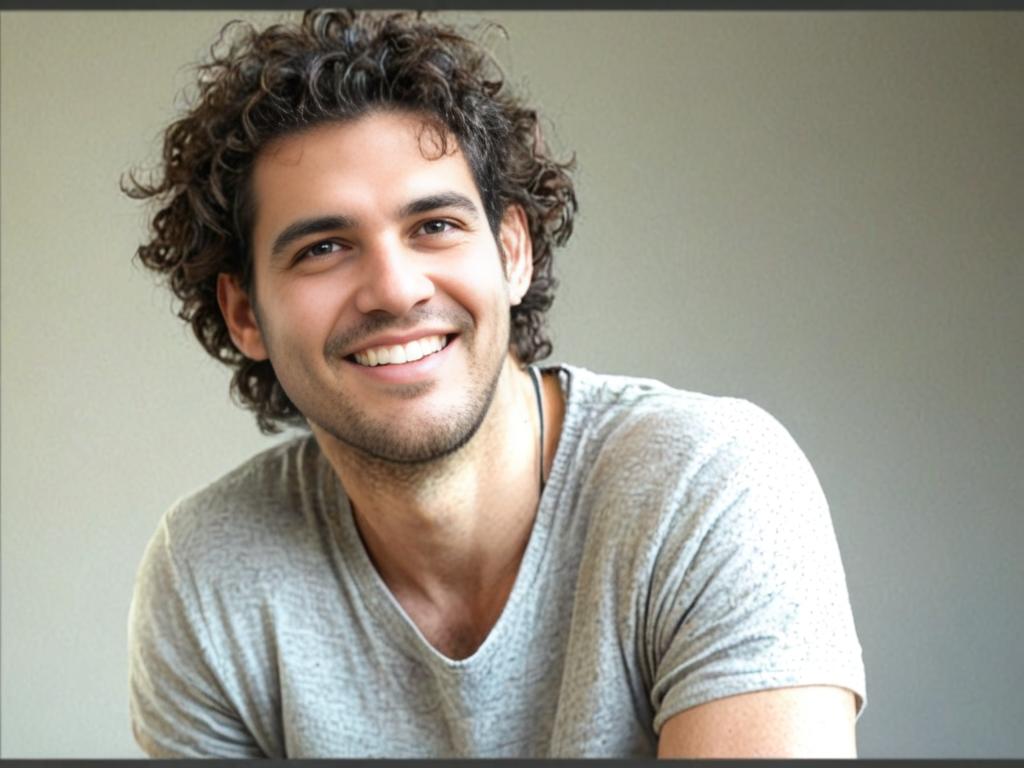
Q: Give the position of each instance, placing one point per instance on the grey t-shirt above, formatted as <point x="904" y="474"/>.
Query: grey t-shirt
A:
<point x="682" y="552"/>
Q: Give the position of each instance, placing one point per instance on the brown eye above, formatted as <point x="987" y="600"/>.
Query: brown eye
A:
<point x="436" y="227"/>
<point x="325" y="248"/>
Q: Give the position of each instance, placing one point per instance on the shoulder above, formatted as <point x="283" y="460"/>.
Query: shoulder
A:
<point x="663" y="472"/>
<point x="251" y="511"/>
<point x="211" y="575"/>
<point x="640" y="425"/>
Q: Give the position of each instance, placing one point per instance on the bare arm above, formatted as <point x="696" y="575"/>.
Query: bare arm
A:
<point x="805" y="721"/>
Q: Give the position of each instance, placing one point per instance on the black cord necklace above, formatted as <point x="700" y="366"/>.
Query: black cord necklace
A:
<point x="535" y="377"/>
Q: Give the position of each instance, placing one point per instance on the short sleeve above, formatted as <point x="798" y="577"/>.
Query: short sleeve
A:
<point x="750" y="594"/>
<point x="177" y="706"/>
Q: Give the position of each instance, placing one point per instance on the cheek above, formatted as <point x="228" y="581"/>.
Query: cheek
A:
<point x="304" y="312"/>
<point x="479" y="285"/>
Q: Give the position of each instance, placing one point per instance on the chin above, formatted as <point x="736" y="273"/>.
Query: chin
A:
<point x="417" y="441"/>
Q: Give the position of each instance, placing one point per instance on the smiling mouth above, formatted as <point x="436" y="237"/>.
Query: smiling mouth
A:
<point x="399" y="354"/>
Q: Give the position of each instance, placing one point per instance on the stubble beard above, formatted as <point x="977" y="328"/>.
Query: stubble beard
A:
<point x="410" y="449"/>
<point x="412" y="446"/>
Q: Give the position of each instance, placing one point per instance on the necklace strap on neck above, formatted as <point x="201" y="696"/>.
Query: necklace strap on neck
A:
<point x="535" y="378"/>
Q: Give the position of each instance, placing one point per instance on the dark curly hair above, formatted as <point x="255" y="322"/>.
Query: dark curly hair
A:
<point x="337" y="65"/>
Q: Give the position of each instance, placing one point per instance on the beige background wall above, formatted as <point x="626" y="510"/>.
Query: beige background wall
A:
<point x="819" y="212"/>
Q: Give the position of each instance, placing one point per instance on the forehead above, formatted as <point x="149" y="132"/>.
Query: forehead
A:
<point x="359" y="167"/>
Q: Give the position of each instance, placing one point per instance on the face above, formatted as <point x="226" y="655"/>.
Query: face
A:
<point x="380" y="295"/>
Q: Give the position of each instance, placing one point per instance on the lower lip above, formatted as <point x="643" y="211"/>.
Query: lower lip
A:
<point x="406" y="373"/>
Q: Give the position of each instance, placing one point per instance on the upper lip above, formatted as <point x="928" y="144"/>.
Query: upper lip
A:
<point x="399" y="339"/>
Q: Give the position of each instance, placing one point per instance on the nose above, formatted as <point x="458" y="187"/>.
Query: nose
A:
<point x="392" y="281"/>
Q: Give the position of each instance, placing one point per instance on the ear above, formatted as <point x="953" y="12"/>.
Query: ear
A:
<point x="240" y="317"/>
<point x="517" y="246"/>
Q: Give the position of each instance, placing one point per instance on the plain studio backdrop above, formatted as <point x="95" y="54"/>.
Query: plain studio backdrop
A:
<point x="819" y="212"/>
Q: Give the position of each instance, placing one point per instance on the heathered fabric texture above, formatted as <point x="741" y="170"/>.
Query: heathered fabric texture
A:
<point x="682" y="552"/>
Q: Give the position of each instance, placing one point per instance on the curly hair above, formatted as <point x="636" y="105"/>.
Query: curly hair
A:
<point x="335" y="66"/>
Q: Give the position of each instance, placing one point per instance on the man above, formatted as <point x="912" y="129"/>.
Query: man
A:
<point x="467" y="555"/>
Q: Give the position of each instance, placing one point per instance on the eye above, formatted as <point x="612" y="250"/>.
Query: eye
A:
<point x="318" y="250"/>
<point x="436" y="227"/>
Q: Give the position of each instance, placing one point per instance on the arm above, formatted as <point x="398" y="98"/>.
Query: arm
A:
<point x="176" y="700"/>
<point x="806" y="721"/>
<point x="755" y="652"/>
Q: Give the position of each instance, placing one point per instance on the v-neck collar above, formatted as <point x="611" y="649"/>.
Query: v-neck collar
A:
<point x="395" y="621"/>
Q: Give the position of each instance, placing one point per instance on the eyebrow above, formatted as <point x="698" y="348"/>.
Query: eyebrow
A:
<point x="305" y="227"/>
<point x="317" y="224"/>
<point x="440" y="200"/>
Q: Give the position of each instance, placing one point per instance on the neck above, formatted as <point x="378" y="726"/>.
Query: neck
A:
<point x="452" y="531"/>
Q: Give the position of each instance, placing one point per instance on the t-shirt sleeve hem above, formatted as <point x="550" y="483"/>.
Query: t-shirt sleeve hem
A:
<point x="151" y="746"/>
<point x="684" y="698"/>
<point x="151" y="742"/>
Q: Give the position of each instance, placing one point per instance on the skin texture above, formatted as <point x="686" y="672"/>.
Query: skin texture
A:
<point x="805" y="721"/>
<point x="440" y="464"/>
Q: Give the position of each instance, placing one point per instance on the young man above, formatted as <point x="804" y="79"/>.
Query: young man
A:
<point x="467" y="555"/>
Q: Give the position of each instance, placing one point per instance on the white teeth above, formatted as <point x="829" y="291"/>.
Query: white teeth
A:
<point x="401" y="353"/>
<point x="413" y="351"/>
